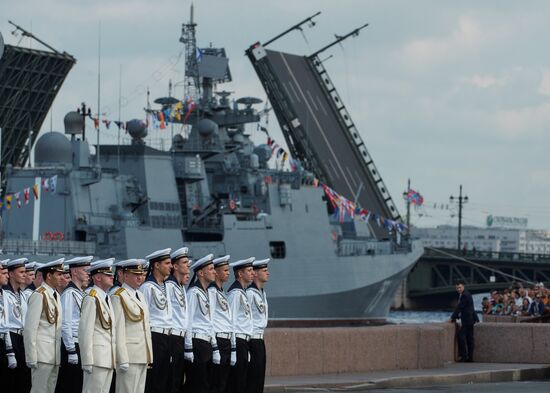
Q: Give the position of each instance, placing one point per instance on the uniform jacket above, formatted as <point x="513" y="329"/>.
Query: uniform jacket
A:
<point x="465" y="310"/>
<point x="97" y="331"/>
<point x="42" y="332"/>
<point x="133" y="335"/>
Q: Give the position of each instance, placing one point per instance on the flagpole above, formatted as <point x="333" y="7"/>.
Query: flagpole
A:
<point x="36" y="210"/>
<point x="119" y="114"/>
<point x="98" y="89"/>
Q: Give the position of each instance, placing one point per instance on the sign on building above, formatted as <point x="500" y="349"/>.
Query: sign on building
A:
<point x="506" y="222"/>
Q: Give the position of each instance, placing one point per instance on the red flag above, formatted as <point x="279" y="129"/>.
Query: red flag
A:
<point x="26" y="193"/>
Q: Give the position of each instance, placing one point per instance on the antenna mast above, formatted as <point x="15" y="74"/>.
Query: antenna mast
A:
<point x="188" y="38"/>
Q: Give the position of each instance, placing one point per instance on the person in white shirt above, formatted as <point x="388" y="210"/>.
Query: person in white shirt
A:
<point x="201" y="337"/>
<point x="97" y="331"/>
<point x="258" y="303"/>
<point x="18" y="375"/>
<point x="42" y="332"/>
<point x="242" y="322"/>
<point x="5" y="340"/>
<point x="70" y="373"/>
<point x="222" y="324"/>
<point x="134" y="350"/>
<point x="175" y="290"/>
<point x="160" y="315"/>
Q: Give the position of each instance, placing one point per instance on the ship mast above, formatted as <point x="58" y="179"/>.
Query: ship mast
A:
<point x="192" y="54"/>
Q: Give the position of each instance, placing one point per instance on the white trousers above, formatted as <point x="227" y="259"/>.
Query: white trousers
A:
<point x="44" y="378"/>
<point x="133" y="380"/>
<point x="99" y="381"/>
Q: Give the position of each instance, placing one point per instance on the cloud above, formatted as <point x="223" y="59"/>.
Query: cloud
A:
<point x="523" y="122"/>
<point x="484" y="81"/>
<point x="544" y="87"/>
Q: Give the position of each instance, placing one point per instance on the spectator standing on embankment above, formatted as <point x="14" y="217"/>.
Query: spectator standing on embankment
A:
<point x="468" y="317"/>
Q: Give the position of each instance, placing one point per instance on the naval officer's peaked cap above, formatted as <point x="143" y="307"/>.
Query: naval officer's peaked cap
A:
<point x="243" y="263"/>
<point x="15" y="263"/>
<point x="159" y="255"/>
<point x="101" y="266"/>
<point x="179" y="253"/>
<point x="31" y="266"/>
<point x="204" y="261"/>
<point x="222" y="261"/>
<point x="79" y="261"/>
<point x="260" y="263"/>
<point x="53" y="266"/>
<point x="136" y="266"/>
<point x="4" y="263"/>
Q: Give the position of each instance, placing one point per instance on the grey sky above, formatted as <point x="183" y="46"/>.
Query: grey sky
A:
<point x="443" y="92"/>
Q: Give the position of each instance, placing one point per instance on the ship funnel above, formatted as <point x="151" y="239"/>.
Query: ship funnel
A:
<point x="74" y="123"/>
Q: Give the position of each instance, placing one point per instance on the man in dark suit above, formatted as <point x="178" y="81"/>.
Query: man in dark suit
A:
<point x="468" y="317"/>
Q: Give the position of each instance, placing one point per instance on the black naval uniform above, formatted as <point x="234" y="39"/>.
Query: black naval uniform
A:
<point x="468" y="317"/>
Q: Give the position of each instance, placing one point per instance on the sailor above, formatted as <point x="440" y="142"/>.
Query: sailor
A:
<point x="42" y="332"/>
<point x="160" y="315"/>
<point x="18" y="376"/>
<point x="3" y="321"/>
<point x="242" y="321"/>
<point x="70" y="373"/>
<point x="200" y="336"/>
<point x="119" y="278"/>
<point x="96" y="330"/>
<point x="222" y="325"/>
<point x="258" y="304"/>
<point x="134" y="350"/>
<point x="175" y="289"/>
<point x="64" y="280"/>
<point x="33" y="279"/>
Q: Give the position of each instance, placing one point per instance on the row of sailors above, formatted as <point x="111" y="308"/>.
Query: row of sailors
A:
<point x="158" y="336"/>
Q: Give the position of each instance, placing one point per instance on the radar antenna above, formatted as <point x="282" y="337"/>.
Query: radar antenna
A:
<point x="192" y="55"/>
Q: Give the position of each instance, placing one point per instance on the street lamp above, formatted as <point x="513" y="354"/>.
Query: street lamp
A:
<point x="461" y="201"/>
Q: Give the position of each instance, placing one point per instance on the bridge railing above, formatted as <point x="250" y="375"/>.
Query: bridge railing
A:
<point x="490" y="255"/>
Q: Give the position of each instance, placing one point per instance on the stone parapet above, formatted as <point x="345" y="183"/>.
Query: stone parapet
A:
<point x="314" y="351"/>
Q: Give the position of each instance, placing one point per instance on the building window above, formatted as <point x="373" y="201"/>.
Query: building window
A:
<point x="277" y="249"/>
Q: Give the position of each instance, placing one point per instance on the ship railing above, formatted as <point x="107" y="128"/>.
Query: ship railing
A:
<point x="348" y="248"/>
<point x="47" y="247"/>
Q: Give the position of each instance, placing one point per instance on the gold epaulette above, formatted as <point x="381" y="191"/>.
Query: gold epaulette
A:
<point x="92" y="292"/>
<point x="41" y="290"/>
<point x="119" y="291"/>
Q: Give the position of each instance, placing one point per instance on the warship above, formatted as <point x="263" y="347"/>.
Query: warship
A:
<point x="215" y="191"/>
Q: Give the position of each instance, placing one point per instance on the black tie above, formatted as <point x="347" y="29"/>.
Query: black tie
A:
<point x="55" y="295"/>
<point x="107" y="300"/>
<point x="137" y="296"/>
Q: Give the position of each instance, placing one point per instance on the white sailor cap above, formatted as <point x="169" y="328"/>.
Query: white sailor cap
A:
<point x="159" y="255"/>
<point x="53" y="266"/>
<point x="204" y="261"/>
<point x="101" y="266"/>
<point x="243" y="263"/>
<point x="222" y="261"/>
<point x="79" y="261"/>
<point x="260" y="263"/>
<point x="30" y="266"/>
<point x="179" y="253"/>
<point x="133" y="265"/>
<point x="4" y="263"/>
<point x="15" y="263"/>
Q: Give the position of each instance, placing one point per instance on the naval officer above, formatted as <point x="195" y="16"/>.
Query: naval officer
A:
<point x="160" y="314"/>
<point x="222" y="325"/>
<point x="134" y="350"/>
<point x="200" y="336"/>
<point x="4" y="334"/>
<point x="42" y="332"/>
<point x="97" y="331"/>
<point x="242" y="321"/>
<point x="258" y="304"/>
<point x="70" y="373"/>
<point x="18" y="375"/>
<point x="175" y="289"/>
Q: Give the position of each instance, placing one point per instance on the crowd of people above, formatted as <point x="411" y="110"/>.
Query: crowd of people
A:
<point x="518" y="301"/>
<point x="70" y="326"/>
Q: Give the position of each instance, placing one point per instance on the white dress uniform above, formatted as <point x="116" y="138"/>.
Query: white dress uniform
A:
<point x="134" y="349"/>
<point x="177" y="297"/>
<point x="5" y="339"/>
<point x="18" y="379"/>
<point x="242" y="327"/>
<point x="70" y="373"/>
<point x="160" y="315"/>
<point x="200" y="333"/>
<point x="97" y="335"/>
<point x="42" y="333"/>
<point x="259" y="308"/>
